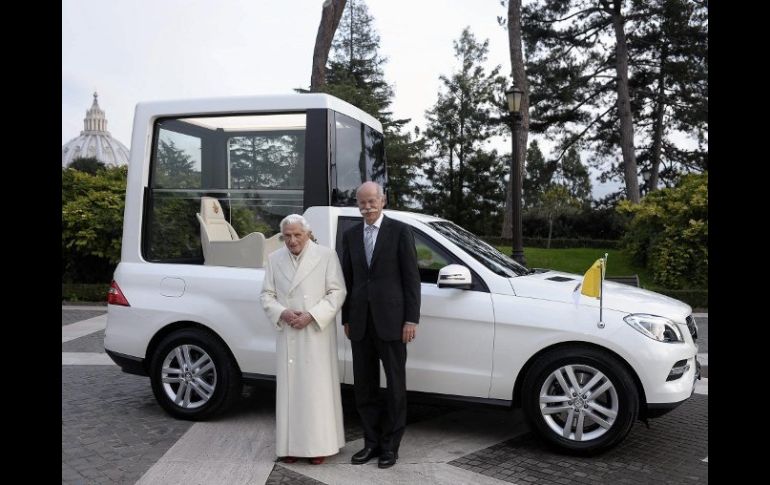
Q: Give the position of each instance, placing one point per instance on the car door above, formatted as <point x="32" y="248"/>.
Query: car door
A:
<point x="452" y="353"/>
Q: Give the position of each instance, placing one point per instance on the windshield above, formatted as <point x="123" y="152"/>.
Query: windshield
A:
<point x="482" y="251"/>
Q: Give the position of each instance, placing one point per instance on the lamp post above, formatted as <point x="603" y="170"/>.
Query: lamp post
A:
<point x="513" y="97"/>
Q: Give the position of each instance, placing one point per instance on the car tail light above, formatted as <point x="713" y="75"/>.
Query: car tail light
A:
<point x="115" y="296"/>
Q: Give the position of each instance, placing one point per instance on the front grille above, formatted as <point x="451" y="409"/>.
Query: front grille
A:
<point x="693" y="327"/>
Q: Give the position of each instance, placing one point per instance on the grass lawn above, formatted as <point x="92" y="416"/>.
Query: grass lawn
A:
<point x="578" y="260"/>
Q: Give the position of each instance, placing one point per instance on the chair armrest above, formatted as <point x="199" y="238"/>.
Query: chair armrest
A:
<point x="247" y="252"/>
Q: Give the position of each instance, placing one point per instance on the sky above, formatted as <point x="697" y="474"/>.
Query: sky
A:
<point x="131" y="51"/>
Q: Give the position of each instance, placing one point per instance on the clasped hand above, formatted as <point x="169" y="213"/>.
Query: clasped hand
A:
<point x="296" y="319"/>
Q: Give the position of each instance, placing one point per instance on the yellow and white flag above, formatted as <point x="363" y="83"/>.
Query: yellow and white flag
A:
<point x="592" y="280"/>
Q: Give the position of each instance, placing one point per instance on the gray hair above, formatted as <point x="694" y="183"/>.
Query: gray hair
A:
<point x="295" y="219"/>
<point x="380" y="191"/>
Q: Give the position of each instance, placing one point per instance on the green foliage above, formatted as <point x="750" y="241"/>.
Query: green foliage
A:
<point x="578" y="260"/>
<point x="573" y="175"/>
<point x="538" y="175"/>
<point x="92" y="223"/>
<point x="87" y="164"/>
<point x="175" y="168"/>
<point x="694" y="298"/>
<point x="571" y="69"/>
<point x="465" y="181"/>
<point x="174" y="231"/>
<point x="403" y="161"/>
<point x="601" y="223"/>
<point x="355" y="74"/>
<point x="246" y="220"/>
<point x="669" y="233"/>
<point x="84" y="292"/>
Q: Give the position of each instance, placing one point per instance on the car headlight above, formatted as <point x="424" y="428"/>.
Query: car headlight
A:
<point x="655" y="327"/>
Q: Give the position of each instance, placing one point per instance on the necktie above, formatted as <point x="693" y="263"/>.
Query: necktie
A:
<point x="369" y="243"/>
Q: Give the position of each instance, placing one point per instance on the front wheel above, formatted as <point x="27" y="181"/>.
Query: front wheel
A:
<point x="580" y="399"/>
<point x="193" y="376"/>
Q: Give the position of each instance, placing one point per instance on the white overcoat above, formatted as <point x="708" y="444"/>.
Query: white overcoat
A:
<point x="308" y="407"/>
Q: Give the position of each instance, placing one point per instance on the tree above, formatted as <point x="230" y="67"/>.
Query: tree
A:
<point x="484" y="199"/>
<point x="175" y="168"/>
<point x="331" y="12"/>
<point x="590" y="64"/>
<point x="670" y="87"/>
<point x="554" y="202"/>
<point x="90" y="165"/>
<point x="355" y="74"/>
<point x="355" y="71"/>
<point x="573" y="175"/>
<point x="538" y="175"/>
<point x="458" y="124"/>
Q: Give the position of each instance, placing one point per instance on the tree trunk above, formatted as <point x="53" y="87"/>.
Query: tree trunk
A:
<point x="550" y="231"/>
<point x="331" y="13"/>
<point x="657" y="134"/>
<point x="520" y="80"/>
<point x="624" y="106"/>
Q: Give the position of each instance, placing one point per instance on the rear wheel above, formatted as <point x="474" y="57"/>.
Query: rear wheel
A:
<point x="580" y="399"/>
<point x="193" y="376"/>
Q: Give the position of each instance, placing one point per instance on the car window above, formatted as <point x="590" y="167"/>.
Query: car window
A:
<point x="430" y="258"/>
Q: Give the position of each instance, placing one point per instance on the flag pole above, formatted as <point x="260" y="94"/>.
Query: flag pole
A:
<point x="601" y="291"/>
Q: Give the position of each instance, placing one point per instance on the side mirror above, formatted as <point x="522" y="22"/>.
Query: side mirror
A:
<point x="454" y="276"/>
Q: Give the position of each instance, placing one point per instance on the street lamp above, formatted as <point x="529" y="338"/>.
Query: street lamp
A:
<point x="513" y="96"/>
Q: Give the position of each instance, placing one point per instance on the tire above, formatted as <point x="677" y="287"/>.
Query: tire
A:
<point x="601" y="405"/>
<point x="199" y="393"/>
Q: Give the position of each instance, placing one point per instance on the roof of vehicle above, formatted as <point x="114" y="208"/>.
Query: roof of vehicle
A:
<point x="270" y="103"/>
<point x="395" y="214"/>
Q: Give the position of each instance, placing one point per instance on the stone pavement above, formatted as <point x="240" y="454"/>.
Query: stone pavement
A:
<point x="113" y="431"/>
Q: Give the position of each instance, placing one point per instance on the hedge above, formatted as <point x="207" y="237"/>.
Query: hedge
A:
<point x="84" y="291"/>
<point x="694" y="298"/>
<point x="556" y="243"/>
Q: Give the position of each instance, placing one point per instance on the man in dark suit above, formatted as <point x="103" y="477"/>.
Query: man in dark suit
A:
<point x="380" y="316"/>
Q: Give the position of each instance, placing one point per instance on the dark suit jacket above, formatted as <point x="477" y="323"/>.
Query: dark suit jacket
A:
<point x="390" y="288"/>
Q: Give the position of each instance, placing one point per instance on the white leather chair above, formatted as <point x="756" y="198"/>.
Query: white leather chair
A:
<point x="221" y="244"/>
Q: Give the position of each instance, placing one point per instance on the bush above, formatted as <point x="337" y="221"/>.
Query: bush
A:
<point x="669" y="233"/>
<point x="559" y="243"/>
<point x="586" y="224"/>
<point x="92" y="223"/>
<point x="694" y="298"/>
<point x="84" y="292"/>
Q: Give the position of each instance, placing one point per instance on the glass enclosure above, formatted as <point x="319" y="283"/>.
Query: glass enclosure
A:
<point x="256" y="165"/>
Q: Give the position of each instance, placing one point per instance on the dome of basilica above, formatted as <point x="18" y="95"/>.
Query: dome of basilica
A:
<point x="95" y="141"/>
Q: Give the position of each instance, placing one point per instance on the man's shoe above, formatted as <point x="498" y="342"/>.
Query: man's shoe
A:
<point x="364" y="456"/>
<point x="387" y="459"/>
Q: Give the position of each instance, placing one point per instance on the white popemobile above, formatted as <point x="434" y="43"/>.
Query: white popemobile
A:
<point x="184" y="304"/>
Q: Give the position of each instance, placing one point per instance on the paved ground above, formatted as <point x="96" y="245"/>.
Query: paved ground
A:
<point x="113" y="431"/>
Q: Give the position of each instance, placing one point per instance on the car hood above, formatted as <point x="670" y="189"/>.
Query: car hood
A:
<point x="563" y="287"/>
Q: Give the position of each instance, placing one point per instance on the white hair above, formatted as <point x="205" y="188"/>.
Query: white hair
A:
<point x="380" y="191"/>
<point x="295" y="219"/>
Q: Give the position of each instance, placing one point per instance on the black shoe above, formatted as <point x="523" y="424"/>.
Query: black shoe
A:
<point x="364" y="456"/>
<point x="387" y="459"/>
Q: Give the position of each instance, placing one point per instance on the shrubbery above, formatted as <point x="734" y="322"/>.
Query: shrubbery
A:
<point x="586" y="224"/>
<point x="92" y="223"/>
<point x="669" y="233"/>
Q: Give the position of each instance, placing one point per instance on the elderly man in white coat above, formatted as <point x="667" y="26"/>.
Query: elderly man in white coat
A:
<point x="302" y="293"/>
